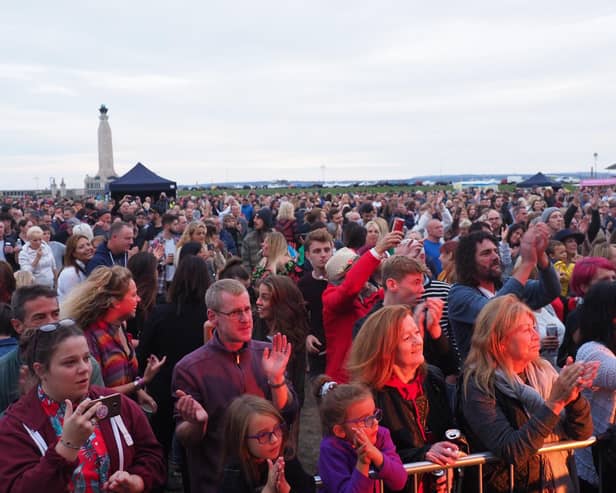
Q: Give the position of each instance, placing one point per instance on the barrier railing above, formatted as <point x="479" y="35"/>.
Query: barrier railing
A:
<point x="479" y="460"/>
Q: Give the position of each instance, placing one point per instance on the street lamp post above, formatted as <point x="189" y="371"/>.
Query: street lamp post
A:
<point x="595" y="155"/>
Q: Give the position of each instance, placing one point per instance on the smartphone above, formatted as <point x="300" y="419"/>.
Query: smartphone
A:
<point x="109" y="408"/>
<point x="398" y="224"/>
<point x="551" y="330"/>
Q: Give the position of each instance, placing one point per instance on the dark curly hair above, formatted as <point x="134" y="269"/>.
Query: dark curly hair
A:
<point x="466" y="266"/>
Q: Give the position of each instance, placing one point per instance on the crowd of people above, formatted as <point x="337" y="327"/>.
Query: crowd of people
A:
<point x="187" y="333"/>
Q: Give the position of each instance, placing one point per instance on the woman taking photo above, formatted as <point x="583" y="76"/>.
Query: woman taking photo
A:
<point x="373" y="235"/>
<point x="512" y="401"/>
<point x="78" y="252"/>
<point x="56" y="440"/>
<point x="101" y="304"/>
<point x="387" y="356"/>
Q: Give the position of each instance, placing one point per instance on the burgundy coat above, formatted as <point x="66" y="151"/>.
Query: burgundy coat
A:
<point x="29" y="460"/>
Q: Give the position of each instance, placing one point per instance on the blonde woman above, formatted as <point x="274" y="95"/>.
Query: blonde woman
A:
<point x="194" y="232"/>
<point x="373" y="235"/>
<point x="513" y="402"/>
<point x="276" y="258"/>
<point x="36" y="257"/>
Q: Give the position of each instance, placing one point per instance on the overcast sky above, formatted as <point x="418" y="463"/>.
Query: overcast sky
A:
<point x="214" y="91"/>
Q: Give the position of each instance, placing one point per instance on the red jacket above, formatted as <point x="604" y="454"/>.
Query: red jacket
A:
<point x="342" y="307"/>
<point x="30" y="462"/>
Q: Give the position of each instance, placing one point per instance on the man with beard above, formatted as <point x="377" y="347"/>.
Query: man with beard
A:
<point x="479" y="273"/>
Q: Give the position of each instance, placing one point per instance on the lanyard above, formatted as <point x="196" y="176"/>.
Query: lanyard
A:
<point x="113" y="260"/>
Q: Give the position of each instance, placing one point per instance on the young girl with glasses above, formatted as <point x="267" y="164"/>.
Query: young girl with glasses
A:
<point x="354" y="443"/>
<point x="255" y="451"/>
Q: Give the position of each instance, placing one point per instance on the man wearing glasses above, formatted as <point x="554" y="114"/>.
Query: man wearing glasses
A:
<point x="228" y="365"/>
<point x="33" y="306"/>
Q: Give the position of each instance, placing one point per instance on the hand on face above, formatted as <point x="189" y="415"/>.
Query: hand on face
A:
<point x="367" y="453"/>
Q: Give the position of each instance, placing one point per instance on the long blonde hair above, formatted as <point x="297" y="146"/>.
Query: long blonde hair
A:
<point x="371" y="361"/>
<point x="278" y="253"/>
<point x="90" y="300"/>
<point x="491" y="327"/>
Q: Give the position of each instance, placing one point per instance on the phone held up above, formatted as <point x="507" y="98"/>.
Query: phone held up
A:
<point x="110" y="406"/>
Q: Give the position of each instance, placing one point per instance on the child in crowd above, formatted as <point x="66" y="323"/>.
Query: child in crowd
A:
<point x="558" y="255"/>
<point x="256" y="435"/>
<point x="353" y="442"/>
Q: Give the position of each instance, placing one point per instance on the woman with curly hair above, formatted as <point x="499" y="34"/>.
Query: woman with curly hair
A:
<point x="100" y="305"/>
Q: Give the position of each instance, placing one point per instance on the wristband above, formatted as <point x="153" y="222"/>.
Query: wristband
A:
<point x="139" y="383"/>
<point x="277" y="385"/>
<point x="69" y="444"/>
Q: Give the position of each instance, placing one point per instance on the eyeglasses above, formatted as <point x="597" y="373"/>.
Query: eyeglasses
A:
<point x="268" y="436"/>
<point x="368" y="421"/>
<point x="237" y="314"/>
<point x="67" y="322"/>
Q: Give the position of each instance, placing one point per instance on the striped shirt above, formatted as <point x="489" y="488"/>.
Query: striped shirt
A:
<point x="117" y="367"/>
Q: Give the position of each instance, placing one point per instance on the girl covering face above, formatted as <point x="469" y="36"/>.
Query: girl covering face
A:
<point x="353" y="441"/>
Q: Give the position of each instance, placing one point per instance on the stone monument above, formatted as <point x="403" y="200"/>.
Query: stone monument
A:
<point x="106" y="173"/>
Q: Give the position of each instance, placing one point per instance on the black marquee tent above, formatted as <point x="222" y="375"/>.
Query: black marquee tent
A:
<point x="141" y="181"/>
<point x="539" y="180"/>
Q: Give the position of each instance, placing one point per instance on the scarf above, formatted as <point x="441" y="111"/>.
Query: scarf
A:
<point x="533" y="395"/>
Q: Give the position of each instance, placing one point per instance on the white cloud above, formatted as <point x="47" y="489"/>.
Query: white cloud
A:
<point x="273" y="90"/>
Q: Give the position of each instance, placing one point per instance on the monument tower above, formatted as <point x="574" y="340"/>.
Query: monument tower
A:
<point x="105" y="147"/>
<point x="106" y="173"/>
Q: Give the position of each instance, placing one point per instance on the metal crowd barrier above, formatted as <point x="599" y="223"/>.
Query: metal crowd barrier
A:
<point x="479" y="460"/>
